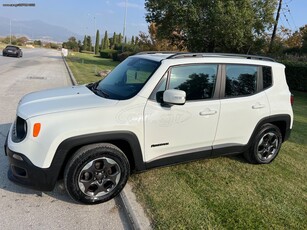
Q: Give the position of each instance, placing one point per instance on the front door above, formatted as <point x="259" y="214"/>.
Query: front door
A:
<point x="182" y="130"/>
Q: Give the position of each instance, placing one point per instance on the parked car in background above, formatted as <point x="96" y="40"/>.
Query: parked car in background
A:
<point x="12" y="51"/>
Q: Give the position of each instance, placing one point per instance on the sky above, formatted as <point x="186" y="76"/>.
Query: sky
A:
<point x="86" y="16"/>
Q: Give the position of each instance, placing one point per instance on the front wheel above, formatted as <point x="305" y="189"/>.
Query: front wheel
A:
<point x="96" y="173"/>
<point x="266" y="145"/>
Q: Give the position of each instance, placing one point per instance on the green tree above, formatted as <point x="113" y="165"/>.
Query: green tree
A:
<point x="101" y="44"/>
<point x="89" y="43"/>
<point x="113" y="40"/>
<point x="71" y="44"/>
<point x="37" y="42"/>
<point x="106" y="43"/>
<point x="206" y="25"/>
<point x="79" y="45"/>
<point x="137" y="39"/>
<point x="85" y="45"/>
<point x="132" y="40"/>
<point x="97" y="42"/>
<point x="304" y="42"/>
<point x="119" y="39"/>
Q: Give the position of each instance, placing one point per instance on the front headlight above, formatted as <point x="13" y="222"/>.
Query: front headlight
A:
<point x="19" y="131"/>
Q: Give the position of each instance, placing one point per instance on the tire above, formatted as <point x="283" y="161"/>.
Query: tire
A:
<point x="96" y="173"/>
<point x="266" y="145"/>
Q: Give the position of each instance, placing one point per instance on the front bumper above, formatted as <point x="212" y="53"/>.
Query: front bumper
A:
<point x="24" y="172"/>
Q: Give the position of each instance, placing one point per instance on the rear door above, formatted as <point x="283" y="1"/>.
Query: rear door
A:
<point x="243" y="105"/>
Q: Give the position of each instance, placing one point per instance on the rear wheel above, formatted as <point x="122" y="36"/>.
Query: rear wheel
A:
<point x="96" y="173"/>
<point x="266" y="145"/>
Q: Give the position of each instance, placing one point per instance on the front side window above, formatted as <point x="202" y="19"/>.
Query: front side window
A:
<point x="198" y="81"/>
<point x="241" y="80"/>
<point x="126" y="80"/>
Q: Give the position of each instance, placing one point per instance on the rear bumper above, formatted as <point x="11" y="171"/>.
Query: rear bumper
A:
<point x="10" y="54"/>
<point x="23" y="172"/>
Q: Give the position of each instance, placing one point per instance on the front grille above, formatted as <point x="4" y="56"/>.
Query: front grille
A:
<point x="19" y="130"/>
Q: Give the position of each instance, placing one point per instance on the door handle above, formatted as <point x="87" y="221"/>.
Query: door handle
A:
<point x="258" y="106"/>
<point x="207" y="112"/>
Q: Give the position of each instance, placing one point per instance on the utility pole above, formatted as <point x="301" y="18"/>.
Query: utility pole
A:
<point x="94" y="34"/>
<point x="275" y="26"/>
<point x="125" y="20"/>
<point x="10" y="31"/>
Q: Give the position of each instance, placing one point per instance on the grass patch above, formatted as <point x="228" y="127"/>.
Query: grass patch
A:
<point x="228" y="193"/>
<point x="85" y="67"/>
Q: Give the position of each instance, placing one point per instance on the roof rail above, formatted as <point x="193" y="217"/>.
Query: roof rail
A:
<point x="160" y="52"/>
<point x="199" y="55"/>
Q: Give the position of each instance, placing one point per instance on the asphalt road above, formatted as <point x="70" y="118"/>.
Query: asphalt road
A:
<point x="23" y="208"/>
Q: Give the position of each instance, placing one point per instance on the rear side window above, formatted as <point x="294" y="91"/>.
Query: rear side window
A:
<point x="241" y="80"/>
<point x="198" y="81"/>
<point x="267" y="77"/>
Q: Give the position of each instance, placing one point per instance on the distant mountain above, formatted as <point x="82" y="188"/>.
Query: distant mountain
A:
<point x="36" y="30"/>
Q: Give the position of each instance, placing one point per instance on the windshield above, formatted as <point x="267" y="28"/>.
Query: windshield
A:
<point x="126" y="80"/>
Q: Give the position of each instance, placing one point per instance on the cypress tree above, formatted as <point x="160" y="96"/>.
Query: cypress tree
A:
<point x="89" y="43"/>
<point x="132" y="40"/>
<point x="114" y="40"/>
<point x="101" y="44"/>
<point x="119" y="39"/>
<point x="97" y="42"/>
<point x="84" y="43"/>
<point x="105" y="41"/>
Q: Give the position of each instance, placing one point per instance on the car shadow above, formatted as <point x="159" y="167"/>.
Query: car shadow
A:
<point x="238" y="157"/>
<point x="59" y="192"/>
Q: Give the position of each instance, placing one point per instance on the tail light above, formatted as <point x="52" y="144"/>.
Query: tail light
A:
<point x="292" y="99"/>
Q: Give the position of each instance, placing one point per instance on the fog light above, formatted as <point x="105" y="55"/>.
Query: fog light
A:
<point x="20" y="172"/>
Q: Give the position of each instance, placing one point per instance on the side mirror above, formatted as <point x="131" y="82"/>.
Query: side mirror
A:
<point x="174" y="97"/>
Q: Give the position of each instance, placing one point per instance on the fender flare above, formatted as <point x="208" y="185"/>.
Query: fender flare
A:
<point x="68" y="146"/>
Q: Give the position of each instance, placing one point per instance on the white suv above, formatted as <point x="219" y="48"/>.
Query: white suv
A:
<point x="153" y="109"/>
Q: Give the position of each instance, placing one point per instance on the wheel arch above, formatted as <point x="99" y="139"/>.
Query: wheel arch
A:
<point x="126" y="141"/>
<point x="282" y="121"/>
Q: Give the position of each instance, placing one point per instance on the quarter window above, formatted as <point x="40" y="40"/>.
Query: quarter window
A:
<point x="198" y="81"/>
<point x="267" y="77"/>
<point x="241" y="80"/>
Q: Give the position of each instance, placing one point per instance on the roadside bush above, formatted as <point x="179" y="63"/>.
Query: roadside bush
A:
<point x="107" y="53"/>
<point x="296" y="74"/>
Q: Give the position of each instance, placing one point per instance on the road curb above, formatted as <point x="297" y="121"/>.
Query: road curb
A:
<point x="71" y="75"/>
<point x="133" y="210"/>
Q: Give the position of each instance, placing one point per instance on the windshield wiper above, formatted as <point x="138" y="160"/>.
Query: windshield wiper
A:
<point x="102" y="93"/>
<point x="99" y="92"/>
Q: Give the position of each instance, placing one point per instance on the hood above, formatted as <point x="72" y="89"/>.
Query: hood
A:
<point x="60" y="100"/>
